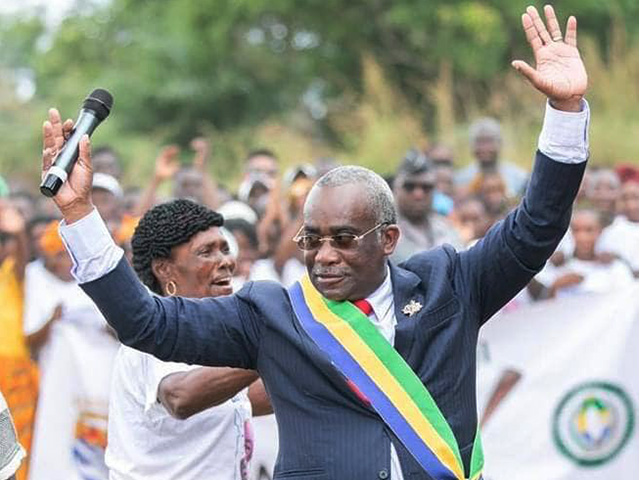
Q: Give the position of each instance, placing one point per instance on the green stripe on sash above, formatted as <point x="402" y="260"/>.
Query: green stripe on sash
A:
<point x="397" y="366"/>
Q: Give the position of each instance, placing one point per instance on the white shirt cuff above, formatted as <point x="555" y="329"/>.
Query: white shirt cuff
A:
<point x="565" y="135"/>
<point x="92" y="250"/>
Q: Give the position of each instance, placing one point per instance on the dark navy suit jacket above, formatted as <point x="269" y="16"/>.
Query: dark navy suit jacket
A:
<point x="325" y="431"/>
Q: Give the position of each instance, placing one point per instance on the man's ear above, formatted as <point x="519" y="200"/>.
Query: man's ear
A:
<point x="162" y="269"/>
<point x="390" y="237"/>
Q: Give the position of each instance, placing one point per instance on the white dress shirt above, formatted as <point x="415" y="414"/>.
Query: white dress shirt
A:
<point x="564" y="138"/>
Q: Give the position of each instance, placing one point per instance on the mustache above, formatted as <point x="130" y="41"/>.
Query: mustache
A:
<point x="331" y="271"/>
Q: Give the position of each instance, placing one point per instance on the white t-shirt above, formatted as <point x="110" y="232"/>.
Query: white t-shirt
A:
<point x="598" y="277"/>
<point x="621" y="238"/>
<point x="146" y="443"/>
<point x="43" y="293"/>
<point x="567" y="245"/>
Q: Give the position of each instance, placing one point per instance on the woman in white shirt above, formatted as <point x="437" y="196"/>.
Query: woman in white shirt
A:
<point x="161" y="421"/>
<point x="621" y="237"/>
<point x="584" y="272"/>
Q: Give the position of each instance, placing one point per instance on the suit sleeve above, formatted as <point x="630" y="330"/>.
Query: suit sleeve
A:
<point x="514" y="250"/>
<point x="222" y="331"/>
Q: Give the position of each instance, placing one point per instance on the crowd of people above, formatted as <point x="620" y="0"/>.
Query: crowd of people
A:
<point x="58" y="356"/>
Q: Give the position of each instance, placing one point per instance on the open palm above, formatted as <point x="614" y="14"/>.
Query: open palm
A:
<point x="559" y="72"/>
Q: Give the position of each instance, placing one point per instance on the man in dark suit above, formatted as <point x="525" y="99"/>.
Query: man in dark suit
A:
<point x="429" y="308"/>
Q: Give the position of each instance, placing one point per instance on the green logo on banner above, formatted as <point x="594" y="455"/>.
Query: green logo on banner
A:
<point x="593" y="422"/>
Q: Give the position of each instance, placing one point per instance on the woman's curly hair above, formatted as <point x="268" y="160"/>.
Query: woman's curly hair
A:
<point x="166" y="226"/>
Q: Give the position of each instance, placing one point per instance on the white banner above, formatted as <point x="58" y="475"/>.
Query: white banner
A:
<point x="558" y="390"/>
<point x="71" y="421"/>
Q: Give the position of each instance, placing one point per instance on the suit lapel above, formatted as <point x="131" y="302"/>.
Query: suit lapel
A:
<point x="405" y="285"/>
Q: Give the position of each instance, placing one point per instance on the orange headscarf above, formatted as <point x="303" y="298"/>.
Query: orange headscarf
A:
<point x="126" y="229"/>
<point x="50" y="242"/>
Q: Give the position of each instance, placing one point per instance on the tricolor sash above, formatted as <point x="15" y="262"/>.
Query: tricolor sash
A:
<point x="358" y="350"/>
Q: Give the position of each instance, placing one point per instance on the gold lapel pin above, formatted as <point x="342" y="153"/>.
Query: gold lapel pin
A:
<point x="412" y="308"/>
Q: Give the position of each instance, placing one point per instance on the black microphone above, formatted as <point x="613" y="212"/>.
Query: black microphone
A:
<point x="95" y="109"/>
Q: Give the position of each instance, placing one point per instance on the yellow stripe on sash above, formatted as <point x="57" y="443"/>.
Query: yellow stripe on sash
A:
<point x="372" y="365"/>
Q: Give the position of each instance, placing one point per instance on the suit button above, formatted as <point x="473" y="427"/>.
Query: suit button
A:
<point x="383" y="474"/>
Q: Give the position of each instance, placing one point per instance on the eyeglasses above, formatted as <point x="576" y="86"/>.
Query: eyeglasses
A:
<point x="340" y="241"/>
<point x="410" y="186"/>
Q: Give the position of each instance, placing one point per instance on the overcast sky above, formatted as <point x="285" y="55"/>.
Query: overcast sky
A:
<point x="55" y="10"/>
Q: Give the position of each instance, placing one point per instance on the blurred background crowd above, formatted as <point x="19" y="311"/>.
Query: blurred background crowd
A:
<point x="438" y="202"/>
<point x="253" y="103"/>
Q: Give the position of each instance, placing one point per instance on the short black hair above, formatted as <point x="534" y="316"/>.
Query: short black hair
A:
<point x="166" y="226"/>
<point x="414" y="162"/>
<point x="39" y="220"/>
<point x="261" y="152"/>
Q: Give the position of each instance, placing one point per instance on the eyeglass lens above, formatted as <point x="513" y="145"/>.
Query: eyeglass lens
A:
<point x="343" y="241"/>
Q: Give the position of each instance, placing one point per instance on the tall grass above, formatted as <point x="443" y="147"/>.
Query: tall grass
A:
<point x="612" y="96"/>
<point x="377" y="128"/>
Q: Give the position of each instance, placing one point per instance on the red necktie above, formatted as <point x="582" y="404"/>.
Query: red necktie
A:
<point x="365" y="307"/>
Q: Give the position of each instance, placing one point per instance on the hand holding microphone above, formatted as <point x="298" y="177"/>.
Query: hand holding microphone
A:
<point x="66" y="158"/>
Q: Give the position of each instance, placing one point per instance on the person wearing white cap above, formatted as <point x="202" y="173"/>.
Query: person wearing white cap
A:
<point x="107" y="195"/>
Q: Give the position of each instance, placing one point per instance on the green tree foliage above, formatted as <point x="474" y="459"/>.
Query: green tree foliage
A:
<point x="182" y="67"/>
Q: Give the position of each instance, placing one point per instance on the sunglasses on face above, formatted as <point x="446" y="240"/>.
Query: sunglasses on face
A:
<point x="410" y="186"/>
<point x="340" y="241"/>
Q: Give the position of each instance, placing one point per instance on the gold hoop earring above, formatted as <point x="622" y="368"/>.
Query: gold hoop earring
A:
<point x="171" y="288"/>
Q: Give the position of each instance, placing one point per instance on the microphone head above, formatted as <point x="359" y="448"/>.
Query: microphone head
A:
<point x="100" y="102"/>
<point x="50" y="185"/>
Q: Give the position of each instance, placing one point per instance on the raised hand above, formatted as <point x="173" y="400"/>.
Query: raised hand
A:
<point x="74" y="197"/>
<point x="559" y="72"/>
<point x="202" y="148"/>
<point x="11" y="222"/>
<point x="167" y="164"/>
